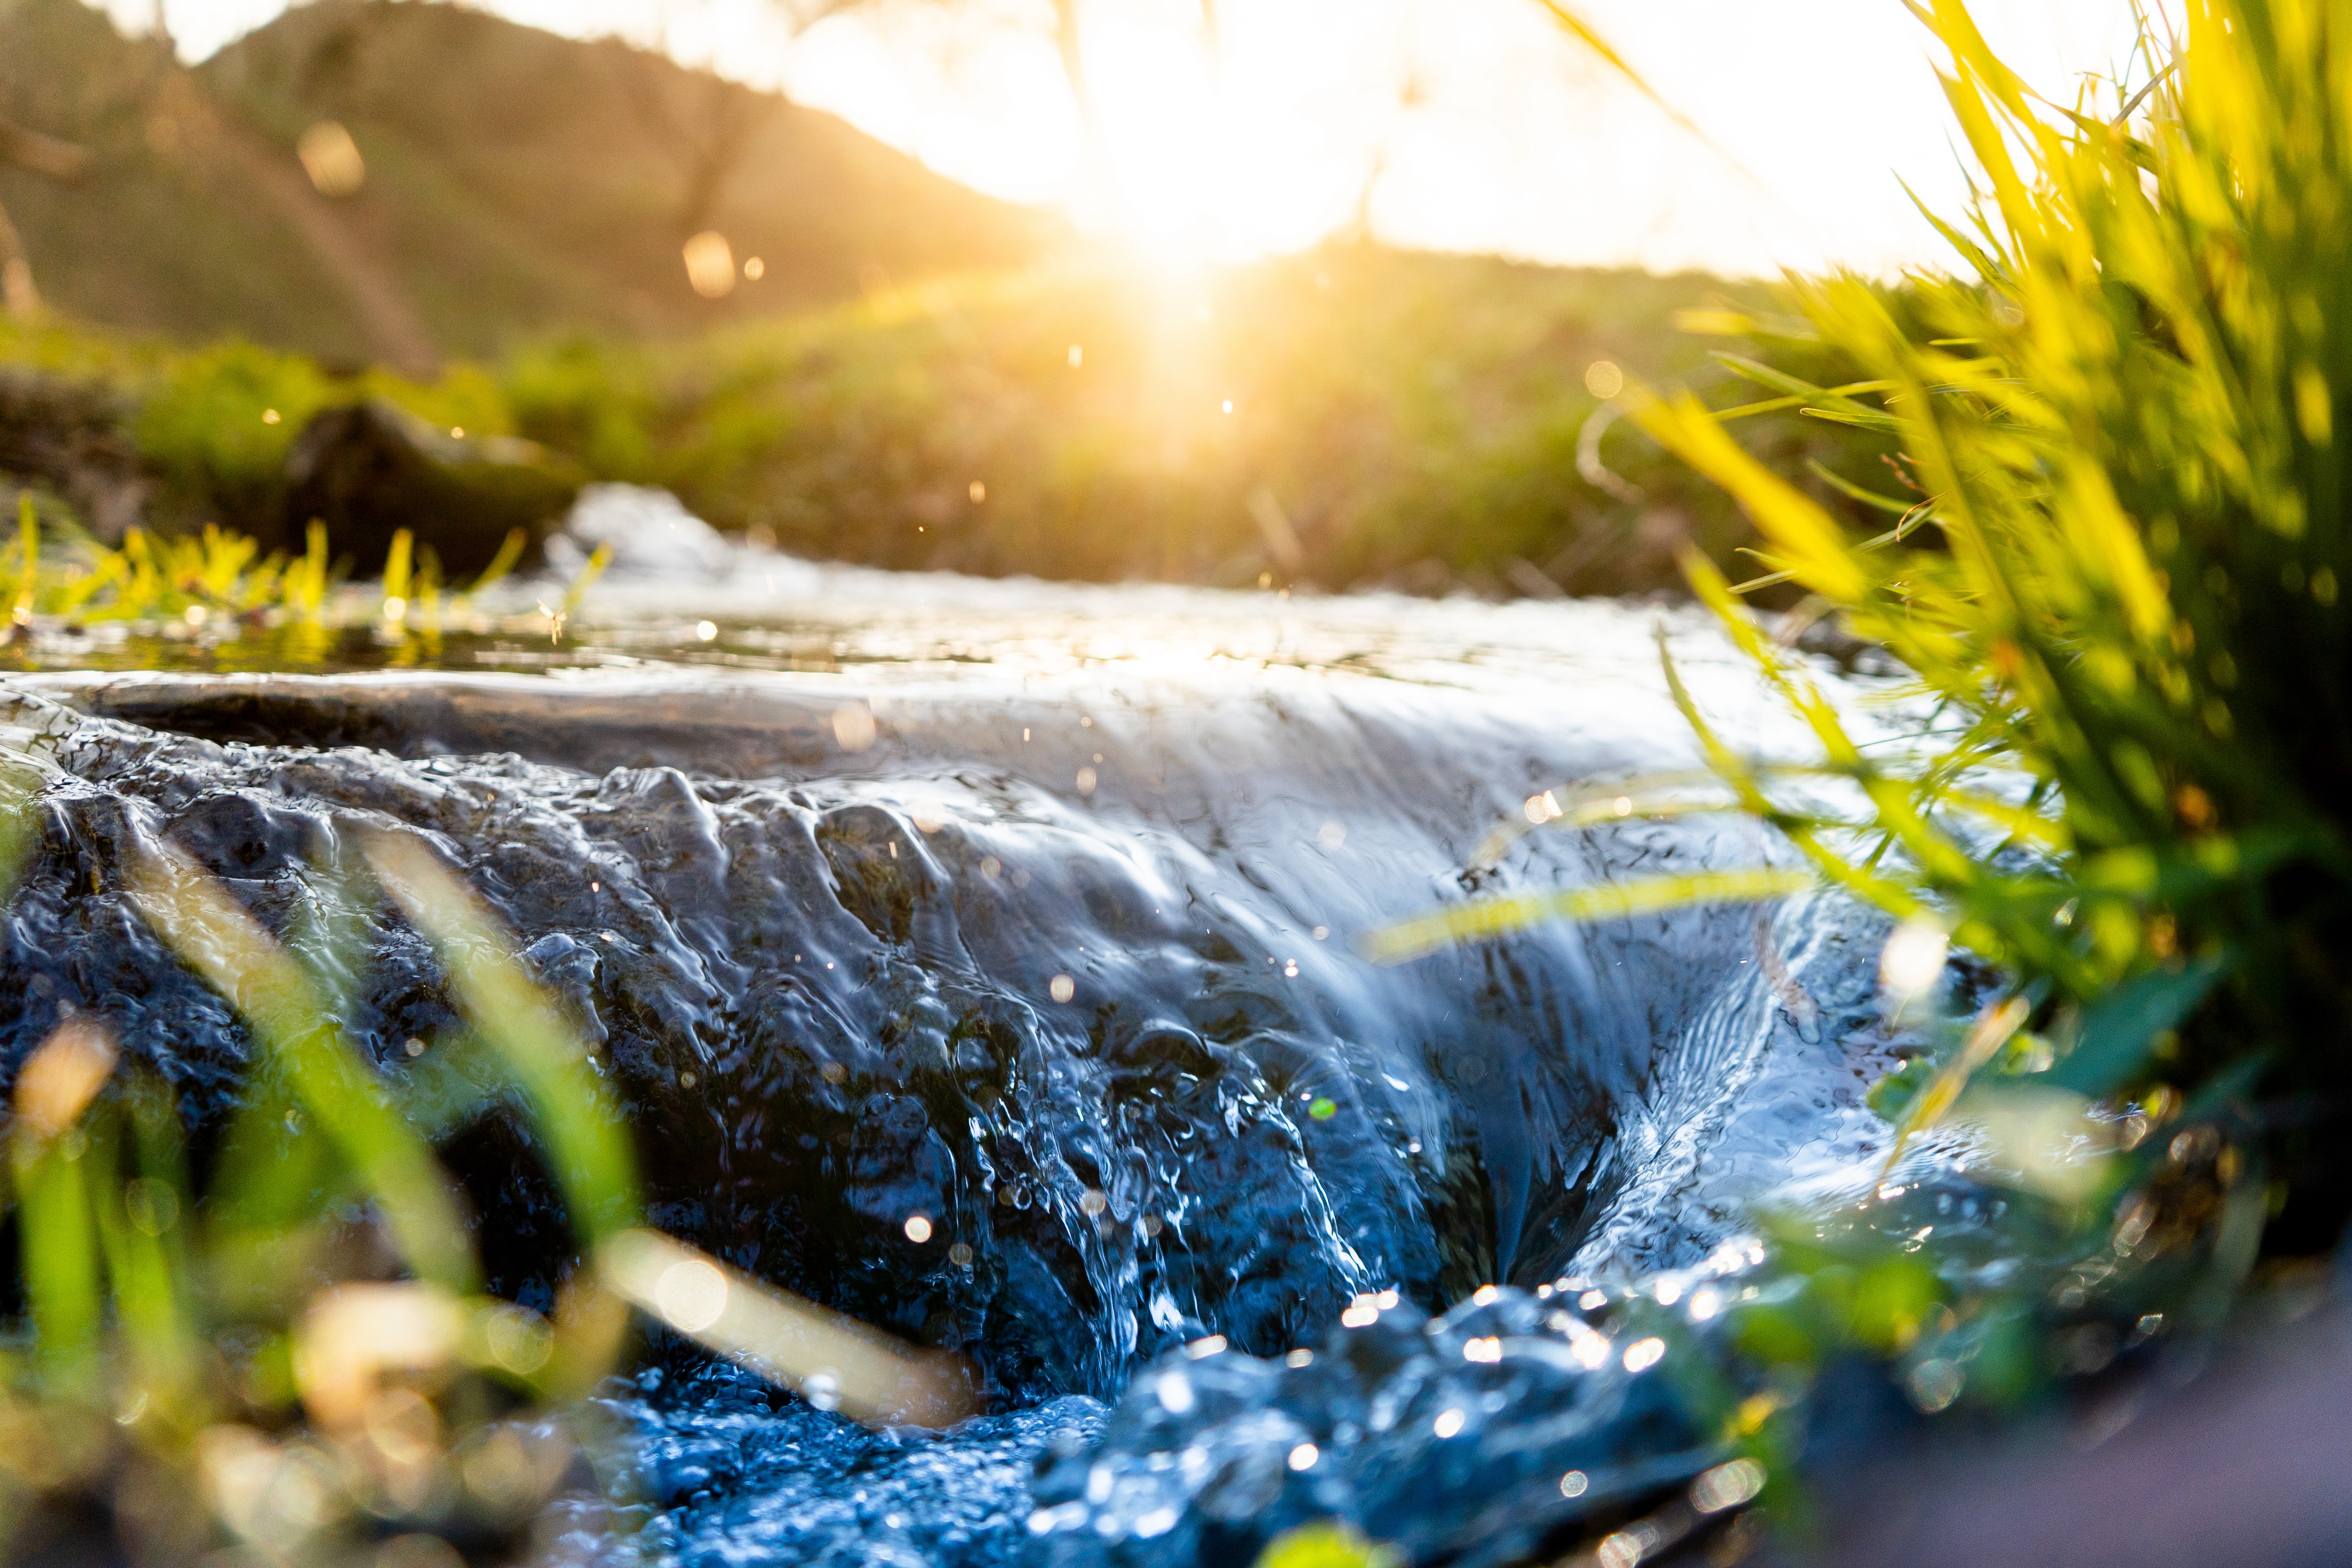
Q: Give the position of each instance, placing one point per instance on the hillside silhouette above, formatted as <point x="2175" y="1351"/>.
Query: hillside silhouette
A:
<point x="515" y="184"/>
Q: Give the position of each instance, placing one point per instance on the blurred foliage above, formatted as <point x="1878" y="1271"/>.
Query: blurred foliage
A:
<point x="1404" y="420"/>
<point x="1351" y="417"/>
<point x="262" y="612"/>
<point x="278" y="1339"/>
<point x="1327" y="1546"/>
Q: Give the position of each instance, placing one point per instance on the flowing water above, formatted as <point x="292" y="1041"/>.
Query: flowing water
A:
<point x="1033" y="913"/>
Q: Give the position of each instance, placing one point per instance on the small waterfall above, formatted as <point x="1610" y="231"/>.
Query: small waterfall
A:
<point x="1060" y="956"/>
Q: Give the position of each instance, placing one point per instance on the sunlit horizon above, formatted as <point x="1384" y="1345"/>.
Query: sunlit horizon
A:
<point x="1479" y="127"/>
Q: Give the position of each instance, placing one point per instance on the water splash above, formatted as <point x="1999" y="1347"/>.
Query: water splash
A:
<point x="1050" y="953"/>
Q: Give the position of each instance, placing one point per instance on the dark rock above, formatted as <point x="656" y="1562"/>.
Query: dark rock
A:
<point x="369" y="470"/>
<point x="69" y="440"/>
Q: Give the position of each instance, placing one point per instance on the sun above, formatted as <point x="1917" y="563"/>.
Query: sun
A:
<point x="1219" y="147"/>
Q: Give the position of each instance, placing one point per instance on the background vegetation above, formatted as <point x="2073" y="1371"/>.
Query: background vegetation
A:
<point x="510" y="265"/>
<point x="1396" y="419"/>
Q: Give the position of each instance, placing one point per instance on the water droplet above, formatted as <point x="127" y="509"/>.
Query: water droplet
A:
<point x="1726" y="1486"/>
<point x="692" y="1295"/>
<point x="1448" y="1423"/>
<point x="1062" y="988"/>
<point x="1934" y="1384"/>
<point x="852" y="726"/>
<point x="1913" y="958"/>
<point x="918" y="1228"/>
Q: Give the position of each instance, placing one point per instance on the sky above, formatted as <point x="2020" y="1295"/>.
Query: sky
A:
<point x="1457" y="124"/>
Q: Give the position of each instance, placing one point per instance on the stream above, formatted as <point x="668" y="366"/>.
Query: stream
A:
<point x="1035" y="912"/>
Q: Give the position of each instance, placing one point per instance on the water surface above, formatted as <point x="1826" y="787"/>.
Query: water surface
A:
<point x="1033" y="911"/>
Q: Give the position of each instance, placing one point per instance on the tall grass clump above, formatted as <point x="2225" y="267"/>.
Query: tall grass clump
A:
<point x="2122" y="580"/>
<point x="2116" y="578"/>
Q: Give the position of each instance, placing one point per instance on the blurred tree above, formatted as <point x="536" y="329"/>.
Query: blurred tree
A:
<point x="26" y="149"/>
<point x="1065" y="21"/>
<point x="708" y="122"/>
<point x="711" y="126"/>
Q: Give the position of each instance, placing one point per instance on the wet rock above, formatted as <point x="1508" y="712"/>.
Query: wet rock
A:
<point x="369" y="470"/>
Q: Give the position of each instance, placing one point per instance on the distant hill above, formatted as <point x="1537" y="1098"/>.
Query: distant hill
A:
<point x="517" y="184"/>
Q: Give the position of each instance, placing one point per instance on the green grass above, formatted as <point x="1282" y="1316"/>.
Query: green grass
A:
<point x="221" y="1363"/>
<point x="2116" y="578"/>
<point x="1398" y="419"/>
<point x="2123" y="414"/>
<point x="2118" y="585"/>
<point x="289" y="1352"/>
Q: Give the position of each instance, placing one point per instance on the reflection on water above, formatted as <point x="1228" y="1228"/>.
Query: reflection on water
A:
<point x="978" y="959"/>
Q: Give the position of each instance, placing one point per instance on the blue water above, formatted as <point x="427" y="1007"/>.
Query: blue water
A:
<point x="1034" y="911"/>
